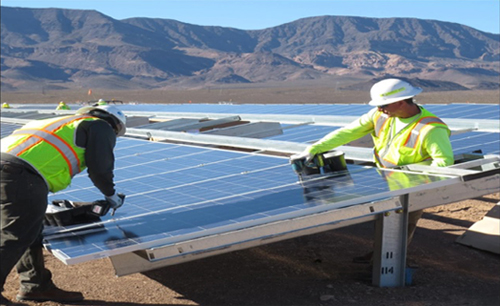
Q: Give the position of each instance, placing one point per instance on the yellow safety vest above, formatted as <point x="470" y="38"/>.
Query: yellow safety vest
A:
<point x="405" y="147"/>
<point x="62" y="107"/>
<point x="49" y="146"/>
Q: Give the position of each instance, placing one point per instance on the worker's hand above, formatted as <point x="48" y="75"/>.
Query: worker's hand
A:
<point x="307" y="155"/>
<point x="116" y="200"/>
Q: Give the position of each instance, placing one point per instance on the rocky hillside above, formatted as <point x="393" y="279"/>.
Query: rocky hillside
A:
<point x="58" y="48"/>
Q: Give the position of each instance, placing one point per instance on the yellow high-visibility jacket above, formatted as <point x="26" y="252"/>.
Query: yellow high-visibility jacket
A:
<point x="62" y="107"/>
<point x="424" y="139"/>
<point x="49" y="147"/>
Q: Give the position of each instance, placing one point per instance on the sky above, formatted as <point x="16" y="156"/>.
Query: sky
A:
<point x="260" y="14"/>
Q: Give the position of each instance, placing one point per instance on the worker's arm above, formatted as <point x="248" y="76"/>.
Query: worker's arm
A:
<point x="355" y="130"/>
<point x="98" y="139"/>
<point x="438" y="146"/>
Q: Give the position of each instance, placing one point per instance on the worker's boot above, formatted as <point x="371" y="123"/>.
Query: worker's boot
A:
<point x="54" y="294"/>
<point x="6" y="302"/>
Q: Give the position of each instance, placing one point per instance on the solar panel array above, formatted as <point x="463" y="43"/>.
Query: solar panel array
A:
<point x="488" y="143"/>
<point x="182" y="192"/>
<point x="465" y="111"/>
<point x="178" y="192"/>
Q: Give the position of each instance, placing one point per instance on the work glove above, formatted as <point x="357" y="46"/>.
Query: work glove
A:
<point x="307" y="155"/>
<point x="115" y="201"/>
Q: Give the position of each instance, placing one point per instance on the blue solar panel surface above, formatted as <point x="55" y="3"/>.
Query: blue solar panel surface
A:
<point x="178" y="192"/>
<point x="8" y="128"/>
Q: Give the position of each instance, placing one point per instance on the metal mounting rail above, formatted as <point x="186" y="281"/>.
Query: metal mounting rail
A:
<point x="468" y="170"/>
<point x="16" y="120"/>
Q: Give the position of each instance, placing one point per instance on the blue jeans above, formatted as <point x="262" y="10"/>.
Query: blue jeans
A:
<point x="22" y="206"/>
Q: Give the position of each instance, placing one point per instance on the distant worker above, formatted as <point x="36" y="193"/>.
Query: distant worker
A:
<point x="5" y="105"/>
<point x="62" y="106"/>
<point x="101" y="102"/>
<point x="403" y="133"/>
<point x="32" y="157"/>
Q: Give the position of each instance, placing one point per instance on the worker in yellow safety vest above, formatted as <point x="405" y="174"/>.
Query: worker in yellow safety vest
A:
<point x="45" y="155"/>
<point x="5" y="105"/>
<point x="62" y="106"/>
<point x="402" y="131"/>
<point x="101" y="102"/>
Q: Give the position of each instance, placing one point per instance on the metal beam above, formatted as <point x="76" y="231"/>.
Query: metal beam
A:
<point x="249" y="237"/>
<point x="389" y="256"/>
<point x="454" y="193"/>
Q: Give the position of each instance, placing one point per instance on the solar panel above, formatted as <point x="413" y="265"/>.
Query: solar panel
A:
<point x="8" y="128"/>
<point x="487" y="143"/>
<point x="178" y="192"/>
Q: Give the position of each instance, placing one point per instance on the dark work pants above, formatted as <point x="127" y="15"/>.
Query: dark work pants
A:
<point x="22" y="206"/>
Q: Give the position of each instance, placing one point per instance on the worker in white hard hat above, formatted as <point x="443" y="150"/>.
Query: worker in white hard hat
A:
<point x="402" y="131"/>
<point x="5" y="105"/>
<point x="45" y="155"/>
<point x="62" y="106"/>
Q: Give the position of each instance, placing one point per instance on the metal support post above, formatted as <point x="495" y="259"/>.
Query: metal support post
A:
<point x="389" y="257"/>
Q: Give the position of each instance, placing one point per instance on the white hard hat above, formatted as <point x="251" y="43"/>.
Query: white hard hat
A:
<point x="392" y="90"/>
<point x="120" y="122"/>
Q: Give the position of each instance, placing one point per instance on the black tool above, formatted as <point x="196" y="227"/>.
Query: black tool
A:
<point x="330" y="161"/>
<point x="65" y="212"/>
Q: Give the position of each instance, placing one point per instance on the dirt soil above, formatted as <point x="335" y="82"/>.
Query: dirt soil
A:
<point x="309" y="270"/>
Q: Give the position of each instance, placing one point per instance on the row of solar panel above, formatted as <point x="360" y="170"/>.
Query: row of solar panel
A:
<point x="466" y="111"/>
<point x="488" y="143"/>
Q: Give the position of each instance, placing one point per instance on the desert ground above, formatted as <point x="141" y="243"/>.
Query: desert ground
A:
<point x="309" y="270"/>
<point x="267" y="95"/>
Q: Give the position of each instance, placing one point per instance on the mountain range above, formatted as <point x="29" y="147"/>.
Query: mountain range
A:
<point x="68" y="49"/>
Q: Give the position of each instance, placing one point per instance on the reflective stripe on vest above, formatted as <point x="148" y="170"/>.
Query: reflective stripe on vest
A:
<point x="47" y="134"/>
<point x="380" y="120"/>
<point x="415" y="132"/>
